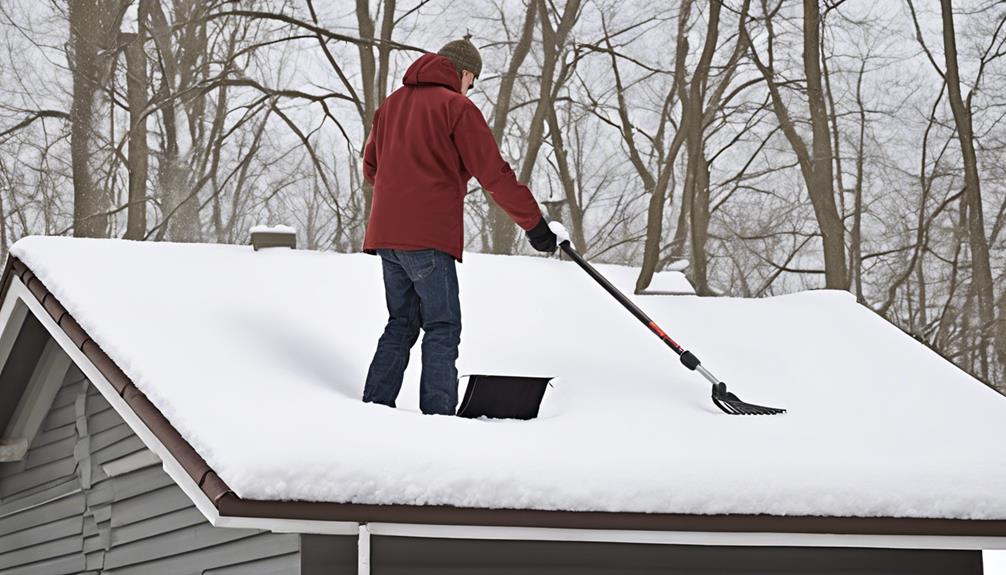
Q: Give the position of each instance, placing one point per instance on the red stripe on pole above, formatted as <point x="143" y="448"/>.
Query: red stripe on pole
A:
<point x="656" y="329"/>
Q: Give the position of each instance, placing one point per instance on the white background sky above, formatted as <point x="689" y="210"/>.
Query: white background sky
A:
<point x="995" y="563"/>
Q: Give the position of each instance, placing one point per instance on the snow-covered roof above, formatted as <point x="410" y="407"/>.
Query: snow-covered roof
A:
<point x="258" y="360"/>
<point x="668" y="282"/>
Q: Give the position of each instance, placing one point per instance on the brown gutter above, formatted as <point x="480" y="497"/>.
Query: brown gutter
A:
<point x="229" y="504"/>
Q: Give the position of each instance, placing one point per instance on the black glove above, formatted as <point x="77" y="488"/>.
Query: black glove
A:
<point x="541" y="237"/>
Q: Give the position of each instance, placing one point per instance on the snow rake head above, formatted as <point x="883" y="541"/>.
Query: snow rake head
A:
<point x="731" y="404"/>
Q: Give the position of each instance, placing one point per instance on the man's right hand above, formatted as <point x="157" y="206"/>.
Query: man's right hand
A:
<point x="542" y="238"/>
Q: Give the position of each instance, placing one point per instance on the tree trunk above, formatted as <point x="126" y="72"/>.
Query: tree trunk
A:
<point x="820" y="185"/>
<point x="856" y="247"/>
<point x="553" y="41"/>
<point x="697" y="174"/>
<point x="136" y="93"/>
<point x="496" y="217"/>
<point x="816" y="164"/>
<point x="193" y="69"/>
<point x="568" y="185"/>
<point x="3" y="228"/>
<point x="658" y="196"/>
<point x="180" y="216"/>
<point x="982" y="273"/>
<point x="368" y="74"/>
<point x="90" y="208"/>
<point x="655" y="214"/>
<point x="384" y="50"/>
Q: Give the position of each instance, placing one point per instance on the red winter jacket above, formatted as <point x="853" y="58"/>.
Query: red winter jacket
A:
<point x="427" y="141"/>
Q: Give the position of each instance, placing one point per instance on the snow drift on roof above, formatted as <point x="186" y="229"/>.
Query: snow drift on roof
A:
<point x="258" y="360"/>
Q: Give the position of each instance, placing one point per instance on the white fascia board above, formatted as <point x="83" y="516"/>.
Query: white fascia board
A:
<point x="17" y="290"/>
<point x="290" y="525"/>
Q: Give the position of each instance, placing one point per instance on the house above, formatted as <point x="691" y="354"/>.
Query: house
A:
<point x="193" y="408"/>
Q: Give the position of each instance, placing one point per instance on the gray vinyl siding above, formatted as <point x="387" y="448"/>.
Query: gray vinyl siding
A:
<point x="422" y="556"/>
<point x="59" y="512"/>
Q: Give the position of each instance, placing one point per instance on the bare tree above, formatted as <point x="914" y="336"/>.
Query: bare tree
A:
<point x="816" y="161"/>
<point x="92" y="24"/>
<point x="972" y="204"/>
<point x="496" y="218"/>
<point x="972" y="183"/>
<point x="554" y="46"/>
<point x="136" y="82"/>
<point x="770" y="145"/>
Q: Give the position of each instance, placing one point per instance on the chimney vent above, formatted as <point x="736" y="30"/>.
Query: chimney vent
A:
<point x="273" y="237"/>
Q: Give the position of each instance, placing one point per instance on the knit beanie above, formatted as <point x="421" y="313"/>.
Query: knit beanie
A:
<point x="463" y="54"/>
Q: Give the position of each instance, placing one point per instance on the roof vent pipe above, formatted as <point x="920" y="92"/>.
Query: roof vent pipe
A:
<point x="273" y="237"/>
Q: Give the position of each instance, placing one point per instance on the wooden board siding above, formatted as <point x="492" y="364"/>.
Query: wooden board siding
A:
<point x="60" y="513"/>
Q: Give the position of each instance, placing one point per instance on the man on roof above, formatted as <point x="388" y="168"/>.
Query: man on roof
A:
<point x="427" y="140"/>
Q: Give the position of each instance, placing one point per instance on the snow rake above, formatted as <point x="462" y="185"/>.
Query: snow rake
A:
<point x="725" y="400"/>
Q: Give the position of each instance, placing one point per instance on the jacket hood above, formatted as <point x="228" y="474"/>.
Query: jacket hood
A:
<point x="432" y="69"/>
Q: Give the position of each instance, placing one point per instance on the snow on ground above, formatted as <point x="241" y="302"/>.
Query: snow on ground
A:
<point x="259" y="358"/>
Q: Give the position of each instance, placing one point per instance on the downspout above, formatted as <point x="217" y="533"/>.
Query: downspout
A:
<point x="363" y="551"/>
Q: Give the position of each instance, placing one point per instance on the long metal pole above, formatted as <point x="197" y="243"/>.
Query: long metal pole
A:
<point x="687" y="358"/>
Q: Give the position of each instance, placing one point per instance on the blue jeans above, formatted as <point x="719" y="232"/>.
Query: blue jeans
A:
<point x="421" y="290"/>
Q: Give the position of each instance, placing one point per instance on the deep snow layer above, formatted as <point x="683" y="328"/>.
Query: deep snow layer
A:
<point x="258" y="359"/>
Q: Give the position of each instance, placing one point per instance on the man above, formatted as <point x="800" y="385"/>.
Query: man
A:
<point x="427" y="140"/>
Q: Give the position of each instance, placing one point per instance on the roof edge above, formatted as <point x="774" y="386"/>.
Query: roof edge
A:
<point x="228" y="504"/>
<point x="194" y="465"/>
<point x="231" y="505"/>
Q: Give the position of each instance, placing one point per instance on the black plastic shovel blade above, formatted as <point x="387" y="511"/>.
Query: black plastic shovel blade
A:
<point x="503" y="396"/>
<point x="731" y="404"/>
